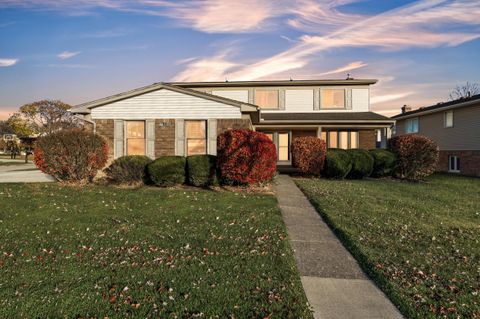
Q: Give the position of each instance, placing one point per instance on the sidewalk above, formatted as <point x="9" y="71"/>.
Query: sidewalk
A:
<point x="22" y="173"/>
<point x="335" y="285"/>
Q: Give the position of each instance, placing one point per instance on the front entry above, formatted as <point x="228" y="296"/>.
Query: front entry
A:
<point x="281" y="139"/>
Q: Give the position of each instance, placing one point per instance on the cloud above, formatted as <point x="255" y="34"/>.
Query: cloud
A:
<point x="8" y="62"/>
<point x="349" y="67"/>
<point x="106" y="34"/>
<point x="68" y="54"/>
<point x="216" y="66"/>
<point x="389" y="97"/>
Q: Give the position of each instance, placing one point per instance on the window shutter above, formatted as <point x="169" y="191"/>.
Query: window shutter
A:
<point x="316" y="99"/>
<point x="212" y="137"/>
<point x="281" y="99"/>
<point x="180" y="137"/>
<point x="150" y="138"/>
<point x="349" y="99"/>
<point x="118" y="140"/>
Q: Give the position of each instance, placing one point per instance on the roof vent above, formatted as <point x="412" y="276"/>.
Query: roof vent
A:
<point x="406" y="109"/>
<point x="349" y="76"/>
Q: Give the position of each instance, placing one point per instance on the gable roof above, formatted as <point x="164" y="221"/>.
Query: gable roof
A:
<point x="439" y="107"/>
<point x="85" y="107"/>
<point x="326" y="117"/>
<point x="349" y="81"/>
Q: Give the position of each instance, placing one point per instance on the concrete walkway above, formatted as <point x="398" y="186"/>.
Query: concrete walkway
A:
<point x="22" y="173"/>
<point x="335" y="285"/>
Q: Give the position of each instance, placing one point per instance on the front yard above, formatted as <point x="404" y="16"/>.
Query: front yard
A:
<point x="419" y="242"/>
<point x="169" y="253"/>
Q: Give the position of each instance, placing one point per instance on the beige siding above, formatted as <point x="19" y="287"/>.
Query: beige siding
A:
<point x="165" y="104"/>
<point x="239" y="95"/>
<point x="464" y="135"/>
<point x="299" y="100"/>
<point x="361" y="100"/>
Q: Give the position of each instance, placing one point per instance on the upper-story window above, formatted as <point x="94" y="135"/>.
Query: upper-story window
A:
<point x="332" y="99"/>
<point x="411" y="125"/>
<point x="266" y="99"/>
<point x="448" y="120"/>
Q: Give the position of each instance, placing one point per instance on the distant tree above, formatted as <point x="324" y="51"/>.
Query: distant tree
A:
<point x="19" y="125"/>
<point x="6" y="128"/>
<point x="48" y="116"/>
<point x="464" y="91"/>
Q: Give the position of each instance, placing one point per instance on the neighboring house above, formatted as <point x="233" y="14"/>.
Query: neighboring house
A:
<point x="454" y="126"/>
<point x="185" y="118"/>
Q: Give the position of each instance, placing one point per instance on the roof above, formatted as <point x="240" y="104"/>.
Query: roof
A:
<point x="325" y="117"/>
<point x="439" y="107"/>
<point x="277" y="83"/>
<point x="85" y="107"/>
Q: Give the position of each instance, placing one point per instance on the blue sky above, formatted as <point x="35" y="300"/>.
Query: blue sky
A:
<point x="80" y="50"/>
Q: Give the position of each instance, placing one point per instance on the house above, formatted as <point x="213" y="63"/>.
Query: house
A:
<point x="454" y="126"/>
<point x="185" y="118"/>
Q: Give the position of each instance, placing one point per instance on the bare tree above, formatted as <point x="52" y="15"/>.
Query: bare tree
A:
<point x="48" y="116"/>
<point x="464" y="91"/>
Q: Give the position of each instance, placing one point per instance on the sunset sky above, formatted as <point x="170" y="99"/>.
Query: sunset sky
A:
<point x="80" y="50"/>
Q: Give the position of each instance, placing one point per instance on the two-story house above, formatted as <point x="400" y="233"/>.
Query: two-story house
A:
<point x="454" y="126"/>
<point x="185" y="118"/>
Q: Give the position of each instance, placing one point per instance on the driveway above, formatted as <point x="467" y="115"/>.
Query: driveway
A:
<point x="16" y="171"/>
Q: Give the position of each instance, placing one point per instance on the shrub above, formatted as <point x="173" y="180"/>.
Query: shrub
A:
<point x="72" y="156"/>
<point x="383" y="162"/>
<point x="201" y="170"/>
<point x="128" y="169"/>
<point x="246" y="157"/>
<point x="417" y="156"/>
<point x="337" y="163"/>
<point x="167" y="170"/>
<point x="308" y="154"/>
<point x="362" y="164"/>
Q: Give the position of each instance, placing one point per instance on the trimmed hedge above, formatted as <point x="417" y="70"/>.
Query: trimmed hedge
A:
<point x="308" y="154"/>
<point x="201" y="170"/>
<point x="417" y="156"/>
<point x="362" y="164"/>
<point x="337" y="163"/>
<point x="167" y="170"/>
<point x="245" y="157"/>
<point x="383" y="162"/>
<point x="72" y="156"/>
<point x="128" y="169"/>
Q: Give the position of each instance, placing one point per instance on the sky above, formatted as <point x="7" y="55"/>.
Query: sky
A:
<point x="80" y="50"/>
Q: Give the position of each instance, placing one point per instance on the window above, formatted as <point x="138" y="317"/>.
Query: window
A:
<point x="266" y="99"/>
<point x="341" y="139"/>
<point x="135" y="138"/>
<point x="411" y="125"/>
<point x="196" y="137"/>
<point x="332" y="99"/>
<point x="283" y="146"/>
<point x="448" y="121"/>
<point x="453" y="164"/>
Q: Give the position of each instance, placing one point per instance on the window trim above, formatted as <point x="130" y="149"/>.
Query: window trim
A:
<point x="456" y="168"/>
<point x="410" y="120"/>
<point x="267" y="90"/>
<point x="445" y="119"/>
<point x="187" y="139"/>
<point x="321" y="107"/>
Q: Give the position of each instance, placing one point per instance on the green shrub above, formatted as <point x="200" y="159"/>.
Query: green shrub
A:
<point x="167" y="170"/>
<point x="383" y="162"/>
<point x="362" y="164"/>
<point x="201" y="170"/>
<point x="128" y="169"/>
<point x="337" y="163"/>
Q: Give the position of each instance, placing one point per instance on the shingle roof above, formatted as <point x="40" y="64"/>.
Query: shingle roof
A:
<point x="321" y="116"/>
<point x="277" y="83"/>
<point x="438" y="106"/>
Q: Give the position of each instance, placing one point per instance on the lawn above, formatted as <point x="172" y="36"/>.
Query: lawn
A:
<point x="419" y="241"/>
<point x="168" y="253"/>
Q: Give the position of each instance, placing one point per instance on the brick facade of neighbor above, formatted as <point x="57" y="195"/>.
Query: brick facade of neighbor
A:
<point x="469" y="161"/>
<point x="229" y="124"/>
<point x="164" y="137"/>
<point x="367" y="139"/>
<point x="105" y="129"/>
<point x="302" y="133"/>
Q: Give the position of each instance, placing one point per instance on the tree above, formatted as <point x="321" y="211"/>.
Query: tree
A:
<point x="464" y="91"/>
<point x="19" y="125"/>
<point x="6" y="128"/>
<point x="48" y="116"/>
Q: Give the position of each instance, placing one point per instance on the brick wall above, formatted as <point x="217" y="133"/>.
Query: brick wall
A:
<point x="229" y="124"/>
<point x="164" y="137"/>
<point x="367" y="139"/>
<point x="105" y="129"/>
<point x="469" y="162"/>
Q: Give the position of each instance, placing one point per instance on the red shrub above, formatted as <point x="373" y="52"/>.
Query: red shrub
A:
<point x="308" y="154"/>
<point x="71" y="155"/>
<point x="246" y="157"/>
<point x="417" y="156"/>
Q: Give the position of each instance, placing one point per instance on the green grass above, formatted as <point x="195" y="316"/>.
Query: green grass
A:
<point x="419" y="241"/>
<point x="164" y="253"/>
